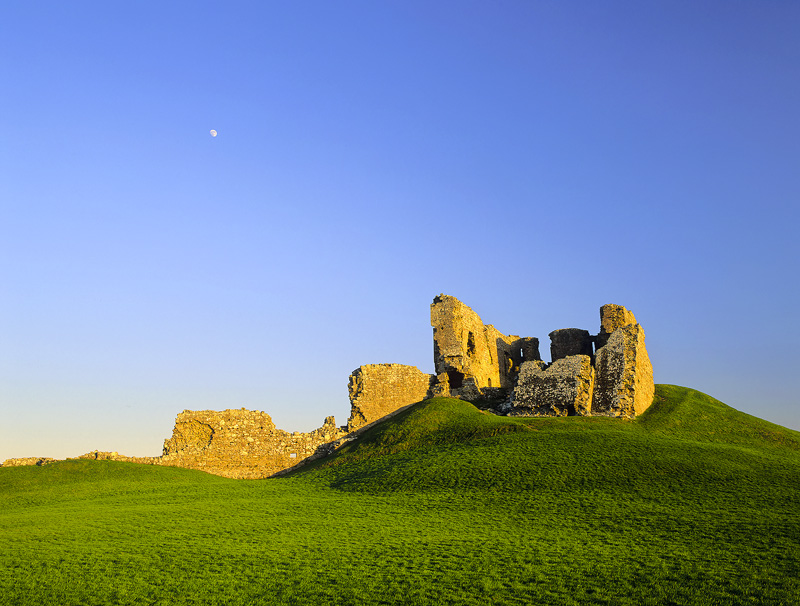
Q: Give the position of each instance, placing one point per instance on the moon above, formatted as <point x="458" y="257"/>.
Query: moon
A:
<point x="213" y="132"/>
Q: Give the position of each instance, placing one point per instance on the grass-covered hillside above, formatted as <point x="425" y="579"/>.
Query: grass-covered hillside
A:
<point x="692" y="503"/>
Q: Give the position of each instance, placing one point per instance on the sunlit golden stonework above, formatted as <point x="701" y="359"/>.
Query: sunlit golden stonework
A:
<point x="607" y="374"/>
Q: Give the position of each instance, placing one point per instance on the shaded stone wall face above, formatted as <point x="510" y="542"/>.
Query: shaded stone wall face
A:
<point x="570" y="342"/>
<point x="563" y="388"/>
<point x="379" y="389"/>
<point x="240" y="443"/>
<point x="530" y="349"/>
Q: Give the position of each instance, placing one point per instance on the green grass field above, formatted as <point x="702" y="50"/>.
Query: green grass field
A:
<point x="692" y="503"/>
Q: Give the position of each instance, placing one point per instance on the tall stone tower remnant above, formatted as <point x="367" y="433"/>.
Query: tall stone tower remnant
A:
<point x="471" y="357"/>
<point x="624" y="385"/>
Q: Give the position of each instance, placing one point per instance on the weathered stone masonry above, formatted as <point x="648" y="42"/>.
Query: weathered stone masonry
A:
<point x="378" y="389"/>
<point x="606" y="374"/>
<point x="241" y="443"/>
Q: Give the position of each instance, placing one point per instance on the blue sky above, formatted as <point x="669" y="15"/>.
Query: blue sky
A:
<point x="534" y="159"/>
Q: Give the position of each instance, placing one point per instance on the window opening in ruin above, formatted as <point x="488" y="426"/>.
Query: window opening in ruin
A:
<point x="455" y="378"/>
<point x="489" y="381"/>
<point x="293" y="455"/>
<point x="470" y="344"/>
<point x="521" y="353"/>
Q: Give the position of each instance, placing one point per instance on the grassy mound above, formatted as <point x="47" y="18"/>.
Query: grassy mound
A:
<point x="686" y="438"/>
<point x="692" y="503"/>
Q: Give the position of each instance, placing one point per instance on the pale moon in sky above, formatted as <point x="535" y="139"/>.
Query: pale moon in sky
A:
<point x="213" y="133"/>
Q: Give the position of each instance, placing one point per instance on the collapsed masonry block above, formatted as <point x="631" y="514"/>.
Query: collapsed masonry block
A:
<point x="379" y="389"/>
<point x="624" y="375"/>
<point x="560" y="389"/>
<point x="570" y="342"/>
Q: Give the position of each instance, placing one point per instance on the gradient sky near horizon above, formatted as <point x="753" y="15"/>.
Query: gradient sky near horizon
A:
<point x="534" y="159"/>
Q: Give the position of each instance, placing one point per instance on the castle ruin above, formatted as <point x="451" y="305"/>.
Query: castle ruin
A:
<point x="607" y="374"/>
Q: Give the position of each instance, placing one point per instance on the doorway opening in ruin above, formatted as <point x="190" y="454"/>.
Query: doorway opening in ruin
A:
<point x="489" y="381"/>
<point x="455" y="378"/>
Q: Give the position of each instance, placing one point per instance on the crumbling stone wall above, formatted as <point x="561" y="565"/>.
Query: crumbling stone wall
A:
<point x="625" y="385"/>
<point x="378" y="389"/>
<point x="608" y="374"/>
<point x="101" y="455"/>
<point x="240" y="443"/>
<point x="470" y="357"/>
<point x="559" y="389"/>
<point x="612" y="317"/>
<point x="22" y="461"/>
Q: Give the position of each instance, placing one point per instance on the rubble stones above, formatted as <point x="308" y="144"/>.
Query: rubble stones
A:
<point x="378" y="389"/>
<point x="560" y="389"/>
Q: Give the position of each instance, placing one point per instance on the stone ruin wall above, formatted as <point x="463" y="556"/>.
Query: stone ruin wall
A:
<point x="242" y="444"/>
<point x="624" y="374"/>
<point x="557" y="390"/>
<point x="379" y="389"/>
<point x="245" y="444"/>
<point x="607" y="374"/>
<point x="24" y="461"/>
<point x="466" y="350"/>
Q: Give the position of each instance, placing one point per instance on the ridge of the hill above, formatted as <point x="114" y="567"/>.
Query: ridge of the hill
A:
<point x="691" y="503"/>
<point x="444" y="443"/>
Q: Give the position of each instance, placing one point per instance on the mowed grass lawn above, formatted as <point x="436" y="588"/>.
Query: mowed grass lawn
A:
<point x="692" y="503"/>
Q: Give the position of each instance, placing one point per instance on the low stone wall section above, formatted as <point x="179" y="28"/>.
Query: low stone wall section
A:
<point x="241" y="443"/>
<point x="23" y="461"/>
<point x="379" y="389"/>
